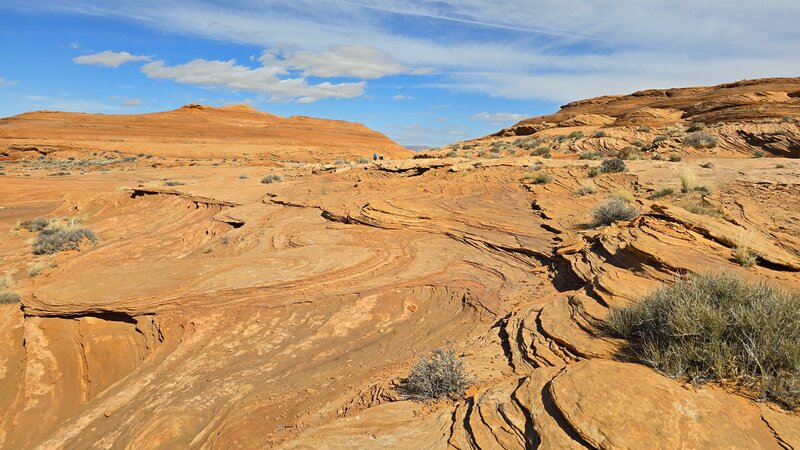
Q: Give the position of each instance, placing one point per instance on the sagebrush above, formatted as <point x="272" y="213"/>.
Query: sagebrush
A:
<point x="435" y="375"/>
<point x="718" y="327"/>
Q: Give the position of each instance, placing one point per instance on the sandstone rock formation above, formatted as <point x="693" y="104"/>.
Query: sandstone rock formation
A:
<point x="227" y="313"/>
<point x="193" y="131"/>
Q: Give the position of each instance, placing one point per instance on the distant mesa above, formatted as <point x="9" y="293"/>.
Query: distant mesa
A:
<point x="195" y="131"/>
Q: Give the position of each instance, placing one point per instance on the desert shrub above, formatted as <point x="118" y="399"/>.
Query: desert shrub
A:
<point x="539" y="178"/>
<point x="613" y="166"/>
<point x="675" y="157"/>
<point x="628" y="153"/>
<point x="340" y="162"/>
<point x="593" y="172"/>
<point x="613" y="210"/>
<point x="697" y="126"/>
<point x="660" y="138"/>
<point x="780" y="166"/>
<point x="707" y="165"/>
<point x="59" y="174"/>
<point x="663" y="192"/>
<point x="590" y="155"/>
<point x="452" y="154"/>
<point x="644" y="129"/>
<point x="436" y="375"/>
<point x="363" y="160"/>
<point x="600" y="134"/>
<point x="657" y="157"/>
<point x="37" y="224"/>
<point x="544" y="152"/>
<point x="493" y="156"/>
<point x="271" y="179"/>
<point x="2" y="173"/>
<point x="56" y="239"/>
<point x="759" y="154"/>
<point x="7" y="297"/>
<point x="586" y="189"/>
<point x="626" y="196"/>
<point x="174" y="183"/>
<point x="718" y="327"/>
<point x="688" y="180"/>
<point x="699" y="206"/>
<point x="639" y="143"/>
<point x="37" y="268"/>
<point x="787" y="119"/>
<point x="482" y="154"/>
<point x="576" y="135"/>
<point x="244" y="176"/>
<point x="700" y="139"/>
<point x="744" y="255"/>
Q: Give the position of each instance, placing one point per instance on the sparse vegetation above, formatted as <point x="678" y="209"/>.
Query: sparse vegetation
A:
<point x="539" y="178"/>
<point x="599" y="134"/>
<point x="586" y="189"/>
<point x="59" y="237"/>
<point x="697" y="126"/>
<point x="675" y="157"/>
<point x="544" y="152"/>
<point x="590" y="155"/>
<point x="244" y="176"/>
<point x="660" y="138"/>
<point x="593" y="172"/>
<point x="663" y="192"/>
<point x="707" y="165"/>
<point x="271" y="179"/>
<point x="718" y="327"/>
<point x="576" y="135"/>
<point x="363" y="160"/>
<point x="173" y="183"/>
<point x="8" y="297"/>
<point x="644" y="129"/>
<point x="743" y="253"/>
<point x="340" y="162"/>
<point x="34" y="225"/>
<point x="759" y="154"/>
<point x="688" y="180"/>
<point x="613" y="166"/>
<point x="452" y="154"/>
<point x="624" y="195"/>
<point x="436" y="375"/>
<point x="700" y="139"/>
<point x="699" y="206"/>
<point x="613" y="210"/>
<point x="780" y="166"/>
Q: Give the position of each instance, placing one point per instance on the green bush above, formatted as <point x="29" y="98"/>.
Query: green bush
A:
<point x="613" y="210"/>
<point x="613" y="166"/>
<point x="544" y="152"/>
<point x="7" y="297"/>
<point x="576" y="135"/>
<point x="698" y="126"/>
<point x="436" y="375"/>
<point x="718" y="327"/>
<point x="663" y="192"/>
<point x="700" y="139"/>
<point x="53" y="240"/>
<point x="599" y="134"/>
<point x="590" y="155"/>
<point x="271" y="179"/>
<point x="540" y="178"/>
<point x="37" y="224"/>
<point x="675" y="157"/>
<point x="593" y="172"/>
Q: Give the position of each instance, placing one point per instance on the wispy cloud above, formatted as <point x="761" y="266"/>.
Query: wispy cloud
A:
<point x="545" y="49"/>
<point x="7" y="83"/>
<point x="402" y="97"/>
<point x="109" y="59"/>
<point x="127" y="101"/>
<point x="498" y="117"/>
<point x="264" y="79"/>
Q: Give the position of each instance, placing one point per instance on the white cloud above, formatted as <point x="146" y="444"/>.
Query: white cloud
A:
<point x="352" y="61"/>
<point x="74" y="45"/>
<point x="109" y="59"/>
<point x="591" y="47"/>
<point x="7" y="83"/>
<point x="264" y="79"/>
<point x="128" y="101"/>
<point x="498" y="117"/>
<point x="402" y="97"/>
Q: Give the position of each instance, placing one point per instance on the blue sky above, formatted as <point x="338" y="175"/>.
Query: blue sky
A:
<point x="423" y="72"/>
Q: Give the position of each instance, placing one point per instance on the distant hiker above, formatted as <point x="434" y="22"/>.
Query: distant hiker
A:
<point x="375" y="156"/>
<point x="381" y="157"/>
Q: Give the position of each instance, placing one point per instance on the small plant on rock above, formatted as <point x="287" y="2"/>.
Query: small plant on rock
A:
<point x="271" y="179"/>
<point x="613" y="210"/>
<point x="613" y="166"/>
<point x="436" y="375"/>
